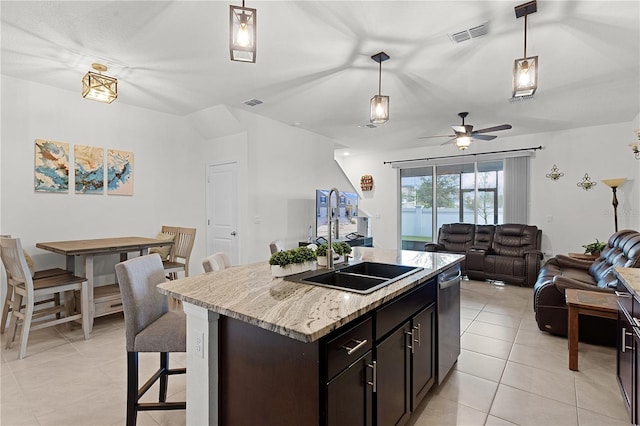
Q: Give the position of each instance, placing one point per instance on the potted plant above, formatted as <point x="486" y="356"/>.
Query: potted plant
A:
<point x="294" y="261"/>
<point x="594" y="249"/>
<point x="339" y="250"/>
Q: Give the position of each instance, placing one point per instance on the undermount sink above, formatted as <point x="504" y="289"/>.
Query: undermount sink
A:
<point x="363" y="278"/>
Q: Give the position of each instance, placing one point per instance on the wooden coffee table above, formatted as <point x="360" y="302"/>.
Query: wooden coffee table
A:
<point x="594" y="303"/>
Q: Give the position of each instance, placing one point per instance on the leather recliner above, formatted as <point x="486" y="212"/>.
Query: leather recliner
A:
<point x="513" y="255"/>
<point x="562" y="272"/>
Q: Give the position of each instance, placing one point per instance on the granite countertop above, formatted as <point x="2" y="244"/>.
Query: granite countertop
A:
<point x="301" y="311"/>
<point x="631" y="277"/>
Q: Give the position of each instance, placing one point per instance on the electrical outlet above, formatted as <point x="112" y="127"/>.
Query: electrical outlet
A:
<point x="198" y="343"/>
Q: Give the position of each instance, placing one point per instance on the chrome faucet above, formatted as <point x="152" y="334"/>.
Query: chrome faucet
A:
<point x="329" y="222"/>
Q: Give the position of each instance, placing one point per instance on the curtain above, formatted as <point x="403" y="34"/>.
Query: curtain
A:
<point x="516" y="190"/>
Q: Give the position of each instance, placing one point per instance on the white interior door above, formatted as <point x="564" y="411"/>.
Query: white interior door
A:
<point x="222" y="210"/>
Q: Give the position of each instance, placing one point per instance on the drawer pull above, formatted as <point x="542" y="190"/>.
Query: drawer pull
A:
<point x="117" y="305"/>
<point x="410" y="345"/>
<point x="359" y="344"/>
<point x="418" y="340"/>
<point x="622" y="294"/>
<point x="624" y="346"/>
<point x="374" y="382"/>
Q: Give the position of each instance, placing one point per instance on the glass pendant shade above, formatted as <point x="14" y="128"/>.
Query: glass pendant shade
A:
<point x="99" y="87"/>
<point x="463" y="142"/>
<point x="525" y="76"/>
<point x="242" y="33"/>
<point x="379" y="109"/>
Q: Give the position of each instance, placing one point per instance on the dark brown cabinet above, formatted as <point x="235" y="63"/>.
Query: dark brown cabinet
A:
<point x="350" y="395"/>
<point x="393" y="364"/>
<point x="625" y="357"/>
<point x="423" y="365"/>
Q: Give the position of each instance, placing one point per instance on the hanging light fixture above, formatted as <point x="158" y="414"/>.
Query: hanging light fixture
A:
<point x="242" y="33"/>
<point x="99" y="87"/>
<point x="525" y="69"/>
<point x="463" y="142"/>
<point x="379" y="103"/>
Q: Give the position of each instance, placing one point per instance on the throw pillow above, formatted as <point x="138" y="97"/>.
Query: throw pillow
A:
<point x="164" y="250"/>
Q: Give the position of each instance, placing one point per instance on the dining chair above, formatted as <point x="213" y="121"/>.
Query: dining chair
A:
<point x="275" y="246"/>
<point x="149" y="327"/>
<point x="180" y="254"/>
<point x="216" y="262"/>
<point x="25" y="288"/>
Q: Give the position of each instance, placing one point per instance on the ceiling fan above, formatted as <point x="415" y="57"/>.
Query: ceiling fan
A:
<point x="464" y="133"/>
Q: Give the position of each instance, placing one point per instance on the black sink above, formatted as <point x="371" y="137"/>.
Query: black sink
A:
<point x="364" y="277"/>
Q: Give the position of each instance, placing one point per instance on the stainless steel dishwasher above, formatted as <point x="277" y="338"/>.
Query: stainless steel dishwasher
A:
<point x="448" y="320"/>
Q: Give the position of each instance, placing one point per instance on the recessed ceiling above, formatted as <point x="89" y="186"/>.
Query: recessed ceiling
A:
<point x="314" y="62"/>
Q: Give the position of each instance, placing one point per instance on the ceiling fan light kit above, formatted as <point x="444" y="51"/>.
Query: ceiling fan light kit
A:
<point x="99" y="87"/>
<point x="242" y="33"/>
<point x="379" y="103"/>
<point x="525" y="69"/>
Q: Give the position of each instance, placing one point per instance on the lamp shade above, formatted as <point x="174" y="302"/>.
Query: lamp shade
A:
<point x="525" y="76"/>
<point x="242" y="33"/>
<point x="614" y="183"/>
<point x="99" y="87"/>
<point x="463" y="142"/>
<point x="379" y="109"/>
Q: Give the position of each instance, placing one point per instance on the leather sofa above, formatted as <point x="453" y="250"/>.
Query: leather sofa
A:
<point x="562" y="272"/>
<point x="508" y="252"/>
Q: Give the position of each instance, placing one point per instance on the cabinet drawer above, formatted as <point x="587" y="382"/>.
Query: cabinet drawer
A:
<point x="397" y="311"/>
<point x="107" y="300"/>
<point x="348" y="346"/>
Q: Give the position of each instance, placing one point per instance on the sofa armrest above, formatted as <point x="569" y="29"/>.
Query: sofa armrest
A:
<point x="569" y="262"/>
<point x="532" y="262"/>
<point x="433" y="247"/>
<point x="536" y="253"/>
<point x="563" y="283"/>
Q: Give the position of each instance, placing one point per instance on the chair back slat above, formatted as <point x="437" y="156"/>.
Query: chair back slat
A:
<point x="141" y="302"/>
<point x="14" y="262"/>
<point x="184" y="243"/>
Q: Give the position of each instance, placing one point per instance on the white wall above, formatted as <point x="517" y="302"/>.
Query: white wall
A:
<point x="281" y="166"/>
<point x="567" y="215"/>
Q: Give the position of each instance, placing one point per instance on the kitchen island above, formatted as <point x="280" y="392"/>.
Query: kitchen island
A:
<point x="264" y="350"/>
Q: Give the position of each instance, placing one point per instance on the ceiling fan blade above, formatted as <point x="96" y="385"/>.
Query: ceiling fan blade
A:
<point x="484" y="137"/>
<point x="449" y="141"/>
<point x="439" y="136"/>
<point x="494" y="129"/>
<point x="458" y="129"/>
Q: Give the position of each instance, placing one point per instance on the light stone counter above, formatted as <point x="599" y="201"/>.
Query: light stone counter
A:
<point x="300" y="311"/>
<point x="630" y="277"/>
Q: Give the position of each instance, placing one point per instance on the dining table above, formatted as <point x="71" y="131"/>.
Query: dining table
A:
<point x="103" y="299"/>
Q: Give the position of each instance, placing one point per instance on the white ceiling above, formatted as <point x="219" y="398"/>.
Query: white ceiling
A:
<point x="314" y="65"/>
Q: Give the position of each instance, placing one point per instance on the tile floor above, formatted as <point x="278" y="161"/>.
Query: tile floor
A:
<point x="508" y="373"/>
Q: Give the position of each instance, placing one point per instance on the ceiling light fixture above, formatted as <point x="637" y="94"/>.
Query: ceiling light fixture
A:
<point x="99" y="87"/>
<point x="525" y="69"/>
<point x="379" y="103"/>
<point x="463" y="142"/>
<point x="242" y="33"/>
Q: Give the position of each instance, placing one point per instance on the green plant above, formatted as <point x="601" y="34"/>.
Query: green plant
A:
<point x="296" y="255"/>
<point x="340" y="248"/>
<point x="594" y="248"/>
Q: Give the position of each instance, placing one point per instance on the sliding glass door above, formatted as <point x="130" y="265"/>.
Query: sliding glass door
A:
<point x="469" y="192"/>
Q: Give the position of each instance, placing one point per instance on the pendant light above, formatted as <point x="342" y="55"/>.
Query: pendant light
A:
<point x="379" y="103"/>
<point x="99" y="87"/>
<point x="242" y="33"/>
<point x="525" y="69"/>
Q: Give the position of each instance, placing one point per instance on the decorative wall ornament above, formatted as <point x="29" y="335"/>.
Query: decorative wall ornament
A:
<point x="119" y="172"/>
<point x="555" y="173"/>
<point x="635" y="147"/>
<point x="89" y="169"/>
<point x="51" y="166"/>
<point x="586" y="182"/>
<point x="366" y="182"/>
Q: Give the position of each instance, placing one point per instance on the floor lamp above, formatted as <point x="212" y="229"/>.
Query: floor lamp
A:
<point x="614" y="184"/>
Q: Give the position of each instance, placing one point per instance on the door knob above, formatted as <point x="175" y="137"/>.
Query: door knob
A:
<point x="234" y="233"/>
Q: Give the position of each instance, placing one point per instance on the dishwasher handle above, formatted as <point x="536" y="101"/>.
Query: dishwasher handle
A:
<point x="450" y="282"/>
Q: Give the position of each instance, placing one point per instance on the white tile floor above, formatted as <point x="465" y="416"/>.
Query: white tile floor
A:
<point x="508" y="373"/>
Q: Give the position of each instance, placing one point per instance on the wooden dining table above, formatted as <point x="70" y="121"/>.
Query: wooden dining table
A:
<point x="103" y="299"/>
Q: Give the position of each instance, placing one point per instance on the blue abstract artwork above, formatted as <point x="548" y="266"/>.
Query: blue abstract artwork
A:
<point x="119" y="172"/>
<point x="89" y="169"/>
<point x="51" y="166"/>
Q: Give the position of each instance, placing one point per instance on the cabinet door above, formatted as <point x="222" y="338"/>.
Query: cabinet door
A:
<point x="349" y="395"/>
<point x="422" y="355"/>
<point x="393" y="365"/>
<point x="625" y="357"/>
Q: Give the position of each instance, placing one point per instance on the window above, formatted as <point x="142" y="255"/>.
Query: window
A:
<point x="469" y="192"/>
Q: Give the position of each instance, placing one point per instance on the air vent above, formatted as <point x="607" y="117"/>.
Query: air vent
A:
<point x="252" y="102"/>
<point x="473" y="32"/>
<point x="369" y="125"/>
<point x="521" y="98"/>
